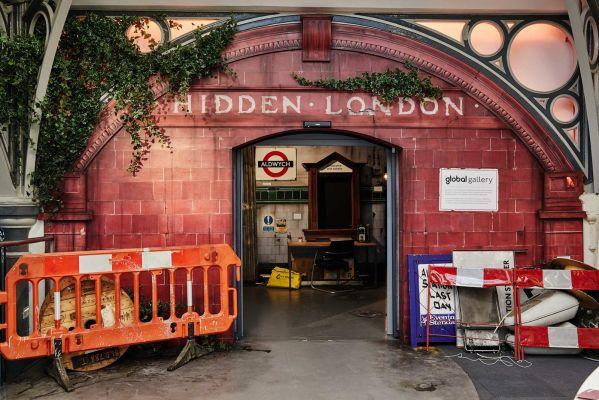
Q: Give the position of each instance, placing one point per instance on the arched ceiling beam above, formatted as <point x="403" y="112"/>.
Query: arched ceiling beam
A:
<point x="58" y="20"/>
<point x="586" y="77"/>
<point x="442" y="7"/>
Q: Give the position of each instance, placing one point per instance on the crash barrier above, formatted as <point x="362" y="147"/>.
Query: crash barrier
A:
<point x="77" y="270"/>
<point x="465" y="277"/>
<point x="555" y="336"/>
<point x="525" y="278"/>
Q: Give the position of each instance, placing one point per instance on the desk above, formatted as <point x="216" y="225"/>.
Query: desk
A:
<point x="317" y="245"/>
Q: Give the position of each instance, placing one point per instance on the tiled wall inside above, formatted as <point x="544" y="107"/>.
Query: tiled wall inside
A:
<point x="272" y="246"/>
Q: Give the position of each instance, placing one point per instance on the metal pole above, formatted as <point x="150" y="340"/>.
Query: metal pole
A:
<point x="2" y="312"/>
<point x="428" y="308"/>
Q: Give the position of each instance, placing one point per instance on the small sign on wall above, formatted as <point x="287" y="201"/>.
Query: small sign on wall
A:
<point x="275" y="164"/>
<point x="268" y="224"/>
<point x="468" y="189"/>
<point x="336" y="168"/>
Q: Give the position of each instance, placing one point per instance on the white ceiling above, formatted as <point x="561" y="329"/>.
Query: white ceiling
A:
<point x="402" y="6"/>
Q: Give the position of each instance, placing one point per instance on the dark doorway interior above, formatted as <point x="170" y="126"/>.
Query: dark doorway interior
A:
<point x="334" y="201"/>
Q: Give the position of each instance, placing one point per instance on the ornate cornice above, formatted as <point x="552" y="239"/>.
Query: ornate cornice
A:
<point x="263" y="48"/>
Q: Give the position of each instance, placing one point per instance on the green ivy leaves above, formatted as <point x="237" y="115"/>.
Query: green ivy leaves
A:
<point x="95" y="58"/>
<point x="389" y="86"/>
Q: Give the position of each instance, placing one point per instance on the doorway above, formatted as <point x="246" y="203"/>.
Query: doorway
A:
<point x="377" y="191"/>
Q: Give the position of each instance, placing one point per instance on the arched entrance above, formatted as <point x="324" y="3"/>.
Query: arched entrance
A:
<point x="305" y="142"/>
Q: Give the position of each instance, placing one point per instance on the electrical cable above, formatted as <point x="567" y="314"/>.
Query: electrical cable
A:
<point x="507" y="361"/>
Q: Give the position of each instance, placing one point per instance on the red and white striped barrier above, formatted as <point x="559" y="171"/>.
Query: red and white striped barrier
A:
<point x="557" y="279"/>
<point x="559" y="337"/>
<point x="528" y="336"/>
<point x="470" y="277"/>
<point x="522" y="278"/>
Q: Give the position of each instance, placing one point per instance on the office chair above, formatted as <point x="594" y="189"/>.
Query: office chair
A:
<point x="333" y="257"/>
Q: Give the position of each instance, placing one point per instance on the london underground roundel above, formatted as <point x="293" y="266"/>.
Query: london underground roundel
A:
<point x="275" y="163"/>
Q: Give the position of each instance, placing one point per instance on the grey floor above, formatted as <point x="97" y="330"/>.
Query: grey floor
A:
<point x="546" y="377"/>
<point x="299" y="345"/>
<point x="311" y="345"/>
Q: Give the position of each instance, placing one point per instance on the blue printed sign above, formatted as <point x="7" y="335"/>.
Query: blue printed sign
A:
<point x="268" y="220"/>
<point x="442" y="301"/>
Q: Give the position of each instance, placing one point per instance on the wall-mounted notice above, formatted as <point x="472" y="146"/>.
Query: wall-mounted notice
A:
<point x="468" y="189"/>
<point x="275" y="163"/>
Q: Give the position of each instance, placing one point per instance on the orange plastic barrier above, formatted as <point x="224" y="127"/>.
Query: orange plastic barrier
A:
<point x="99" y="265"/>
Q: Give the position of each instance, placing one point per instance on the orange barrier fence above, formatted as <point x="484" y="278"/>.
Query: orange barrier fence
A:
<point x="70" y="273"/>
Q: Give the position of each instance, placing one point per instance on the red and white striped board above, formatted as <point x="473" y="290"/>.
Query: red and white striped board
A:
<point x="469" y="277"/>
<point x="562" y="337"/>
<point x="524" y="278"/>
<point x="557" y="279"/>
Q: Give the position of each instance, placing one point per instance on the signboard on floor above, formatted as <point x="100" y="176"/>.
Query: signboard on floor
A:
<point x="462" y="189"/>
<point x="276" y="164"/>
<point x="490" y="259"/>
<point x="442" y="303"/>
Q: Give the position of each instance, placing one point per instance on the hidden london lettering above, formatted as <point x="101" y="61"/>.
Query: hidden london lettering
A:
<point x="352" y="105"/>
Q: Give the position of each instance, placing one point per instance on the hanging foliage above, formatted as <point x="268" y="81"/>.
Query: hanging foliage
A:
<point x="95" y="59"/>
<point x="388" y="86"/>
<point x="19" y="60"/>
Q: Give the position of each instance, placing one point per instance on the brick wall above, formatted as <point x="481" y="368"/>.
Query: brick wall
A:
<point x="184" y="196"/>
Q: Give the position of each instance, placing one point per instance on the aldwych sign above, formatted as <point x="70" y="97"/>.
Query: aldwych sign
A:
<point x="240" y="103"/>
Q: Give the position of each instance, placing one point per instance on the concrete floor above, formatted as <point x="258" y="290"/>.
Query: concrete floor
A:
<point x="546" y="377"/>
<point x="299" y="345"/>
<point x="311" y="345"/>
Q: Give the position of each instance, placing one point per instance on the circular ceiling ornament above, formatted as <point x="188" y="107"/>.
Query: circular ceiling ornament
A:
<point x="591" y="33"/>
<point x="564" y="109"/>
<point x="486" y="38"/>
<point x="541" y="57"/>
<point x="146" y="34"/>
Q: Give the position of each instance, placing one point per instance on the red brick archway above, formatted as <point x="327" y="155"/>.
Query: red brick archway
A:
<point x="186" y="197"/>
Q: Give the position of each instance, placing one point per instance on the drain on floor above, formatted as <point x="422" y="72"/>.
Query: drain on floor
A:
<point x="367" y="314"/>
<point x="425" y="387"/>
<point x="250" y="348"/>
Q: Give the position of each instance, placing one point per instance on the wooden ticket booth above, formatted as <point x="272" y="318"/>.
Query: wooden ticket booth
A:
<point x="333" y="198"/>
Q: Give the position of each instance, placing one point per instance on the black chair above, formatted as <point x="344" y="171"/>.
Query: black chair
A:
<point x="333" y="257"/>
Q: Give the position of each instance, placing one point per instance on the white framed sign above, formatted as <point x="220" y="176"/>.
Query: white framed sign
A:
<point x="462" y="189"/>
<point x="276" y="164"/>
<point x="336" y="168"/>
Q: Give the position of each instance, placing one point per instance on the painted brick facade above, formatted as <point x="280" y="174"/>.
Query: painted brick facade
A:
<point x="185" y="196"/>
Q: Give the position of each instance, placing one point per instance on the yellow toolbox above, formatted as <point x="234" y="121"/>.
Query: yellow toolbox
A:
<point x="279" y="277"/>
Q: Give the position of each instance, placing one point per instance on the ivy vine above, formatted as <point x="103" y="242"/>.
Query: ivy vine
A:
<point x="96" y="59"/>
<point x="19" y="60"/>
<point x="389" y="86"/>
